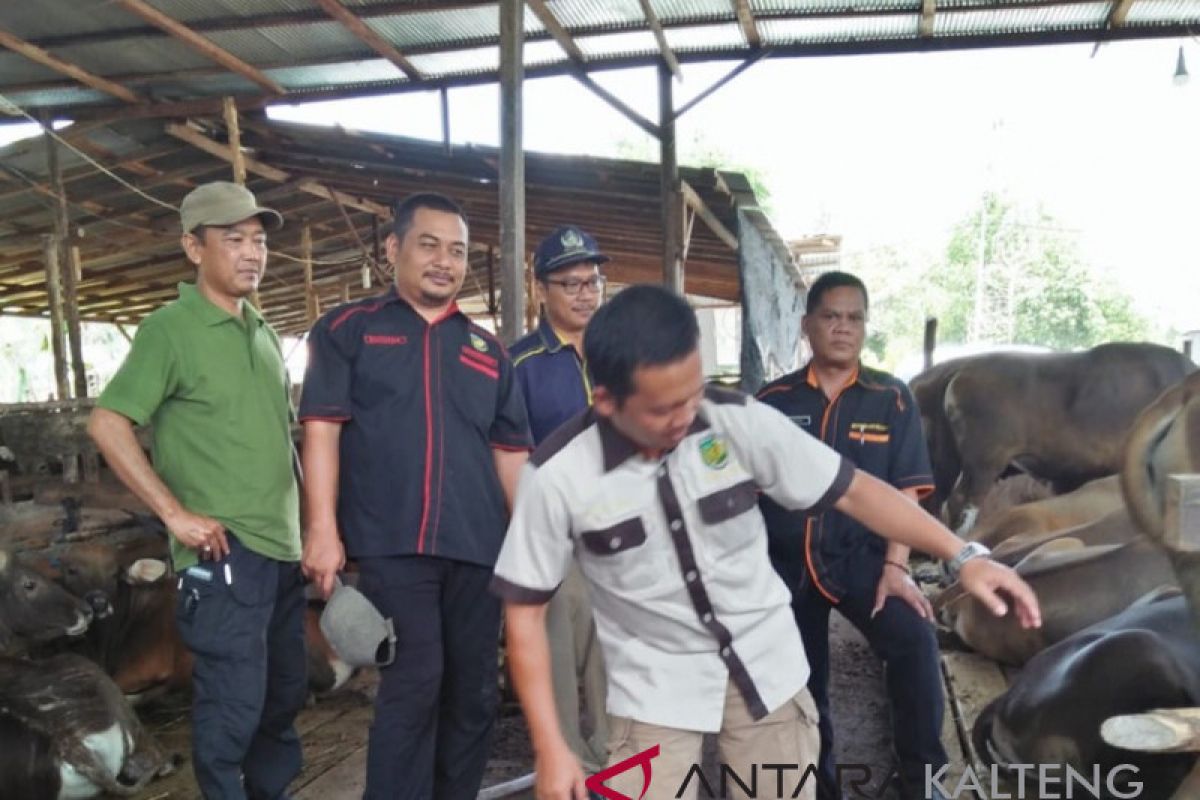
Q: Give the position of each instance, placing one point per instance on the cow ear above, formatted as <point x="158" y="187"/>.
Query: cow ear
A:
<point x="146" y="570"/>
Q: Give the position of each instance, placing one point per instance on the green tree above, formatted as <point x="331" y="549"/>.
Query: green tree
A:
<point x="1013" y="275"/>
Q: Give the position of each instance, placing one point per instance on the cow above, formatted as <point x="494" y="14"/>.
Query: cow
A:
<point x="1146" y="657"/>
<point x="1089" y="502"/>
<point x="1165" y="439"/>
<point x="1076" y="587"/>
<point x="1061" y="417"/>
<point x="1115" y="527"/>
<point x="67" y="732"/>
<point x="139" y="644"/>
<point x="33" y="609"/>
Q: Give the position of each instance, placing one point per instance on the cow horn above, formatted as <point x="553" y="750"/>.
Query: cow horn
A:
<point x="147" y="570"/>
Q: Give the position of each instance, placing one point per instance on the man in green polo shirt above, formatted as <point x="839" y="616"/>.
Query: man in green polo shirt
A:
<point x="207" y="372"/>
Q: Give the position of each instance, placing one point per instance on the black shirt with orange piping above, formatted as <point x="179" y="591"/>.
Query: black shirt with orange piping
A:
<point x="874" y="423"/>
<point x="422" y="405"/>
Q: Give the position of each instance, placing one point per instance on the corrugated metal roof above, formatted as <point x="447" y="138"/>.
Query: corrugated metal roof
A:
<point x="1163" y="12"/>
<point x="309" y="52"/>
<point x="596" y="13"/>
<point x="276" y="43"/>
<point x="366" y="71"/>
<point x="453" y="26"/>
<point x="1022" y="20"/>
<point x="691" y="10"/>
<point x="824" y="29"/>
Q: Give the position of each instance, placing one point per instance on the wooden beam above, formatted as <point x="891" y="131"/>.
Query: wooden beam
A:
<point x="696" y="203"/>
<point x="746" y="19"/>
<point x="512" y="166"/>
<point x="928" y="9"/>
<point x="368" y="36"/>
<point x="199" y="43"/>
<point x="1119" y="12"/>
<point x="202" y="142"/>
<point x="233" y="129"/>
<point x="663" y="47"/>
<point x="67" y="264"/>
<point x="556" y="30"/>
<point x="35" y="53"/>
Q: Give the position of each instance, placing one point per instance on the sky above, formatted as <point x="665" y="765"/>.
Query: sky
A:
<point x="893" y="150"/>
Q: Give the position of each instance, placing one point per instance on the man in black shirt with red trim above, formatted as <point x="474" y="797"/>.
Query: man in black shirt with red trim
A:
<point x="832" y="561"/>
<point x="415" y="433"/>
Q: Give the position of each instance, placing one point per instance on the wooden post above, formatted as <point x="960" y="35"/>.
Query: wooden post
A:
<point x="312" y="309"/>
<point x="931" y="325"/>
<point x="237" y="159"/>
<point x="54" y="301"/>
<point x="1181" y="516"/>
<point x="234" y="129"/>
<point x="512" y="170"/>
<point x="672" y="227"/>
<point x="345" y="292"/>
<point x="68" y="269"/>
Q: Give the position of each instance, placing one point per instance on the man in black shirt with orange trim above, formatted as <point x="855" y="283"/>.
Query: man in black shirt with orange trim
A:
<point x="870" y="418"/>
<point x="415" y="433"/>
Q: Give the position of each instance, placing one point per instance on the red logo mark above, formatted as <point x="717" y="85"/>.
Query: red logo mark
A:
<point x="376" y="338"/>
<point x="596" y="782"/>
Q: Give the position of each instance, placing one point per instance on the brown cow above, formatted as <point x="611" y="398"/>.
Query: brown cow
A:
<point x="1058" y="416"/>
<point x="33" y="609"/>
<point x="1075" y="588"/>
<point x="139" y="644"/>
<point x="1089" y="502"/>
<point x="66" y="731"/>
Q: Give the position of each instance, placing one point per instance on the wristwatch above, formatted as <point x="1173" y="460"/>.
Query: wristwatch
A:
<point x="969" y="551"/>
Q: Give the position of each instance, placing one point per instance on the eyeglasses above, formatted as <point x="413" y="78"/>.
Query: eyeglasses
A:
<point x="572" y="286"/>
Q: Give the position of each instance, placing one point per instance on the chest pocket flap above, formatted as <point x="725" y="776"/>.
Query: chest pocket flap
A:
<point x="615" y="539"/>
<point x="728" y="503"/>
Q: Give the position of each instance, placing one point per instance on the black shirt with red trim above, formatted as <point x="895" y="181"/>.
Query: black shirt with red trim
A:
<point x="422" y="406"/>
<point x="874" y="422"/>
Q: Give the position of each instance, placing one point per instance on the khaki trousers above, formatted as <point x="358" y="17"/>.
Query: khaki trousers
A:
<point x="575" y="663"/>
<point x="787" y="736"/>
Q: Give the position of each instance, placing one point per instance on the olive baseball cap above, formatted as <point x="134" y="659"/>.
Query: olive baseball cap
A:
<point x="223" y="203"/>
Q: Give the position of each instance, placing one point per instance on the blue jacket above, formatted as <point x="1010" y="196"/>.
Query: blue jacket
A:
<point x="553" y="379"/>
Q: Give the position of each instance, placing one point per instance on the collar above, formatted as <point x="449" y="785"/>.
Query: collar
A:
<point x="618" y="448"/>
<point x="550" y="338"/>
<point x="191" y="298"/>
<point x="810" y="377"/>
<point x="393" y="296"/>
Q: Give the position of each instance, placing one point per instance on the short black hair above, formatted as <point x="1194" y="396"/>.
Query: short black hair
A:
<point x="406" y="209"/>
<point x="833" y="280"/>
<point x="642" y="326"/>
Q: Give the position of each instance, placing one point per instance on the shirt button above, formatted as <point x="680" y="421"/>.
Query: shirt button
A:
<point x="614" y="543"/>
<point x="662" y="471"/>
<point x="691" y="576"/>
<point x="726" y="652"/>
<point x="676" y="524"/>
<point x="707" y="618"/>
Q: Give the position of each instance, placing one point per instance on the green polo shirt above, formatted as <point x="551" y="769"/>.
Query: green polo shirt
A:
<point x="216" y="391"/>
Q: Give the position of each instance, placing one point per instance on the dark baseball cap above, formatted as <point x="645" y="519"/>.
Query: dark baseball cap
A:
<point x="222" y="203"/>
<point x="563" y="247"/>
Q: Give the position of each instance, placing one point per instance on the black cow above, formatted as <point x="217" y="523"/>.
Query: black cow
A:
<point x="66" y="731"/>
<point x="1145" y="658"/>
<point x="34" y="609"/>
